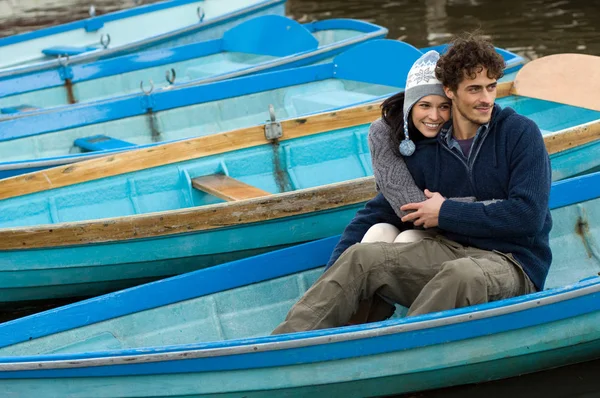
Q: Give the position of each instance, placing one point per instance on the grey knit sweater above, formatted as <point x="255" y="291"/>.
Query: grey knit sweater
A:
<point x="393" y="179"/>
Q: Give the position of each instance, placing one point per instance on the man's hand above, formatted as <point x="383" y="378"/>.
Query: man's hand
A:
<point x="427" y="212"/>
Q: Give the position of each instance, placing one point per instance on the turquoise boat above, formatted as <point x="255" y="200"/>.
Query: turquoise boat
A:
<point x="116" y="221"/>
<point x="368" y="72"/>
<point x="365" y="73"/>
<point x="159" y="25"/>
<point x="260" y="44"/>
<point x="206" y="333"/>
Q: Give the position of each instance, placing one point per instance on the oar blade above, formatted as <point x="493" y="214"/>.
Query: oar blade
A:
<point x="571" y="79"/>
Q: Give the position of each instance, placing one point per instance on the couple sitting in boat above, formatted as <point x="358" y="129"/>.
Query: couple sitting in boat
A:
<point x="466" y="181"/>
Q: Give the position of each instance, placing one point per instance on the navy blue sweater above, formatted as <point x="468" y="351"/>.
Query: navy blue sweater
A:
<point x="508" y="163"/>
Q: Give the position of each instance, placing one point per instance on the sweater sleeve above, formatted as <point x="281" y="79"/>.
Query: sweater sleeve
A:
<point x="392" y="176"/>
<point x="393" y="179"/>
<point x="524" y="211"/>
<point x="377" y="210"/>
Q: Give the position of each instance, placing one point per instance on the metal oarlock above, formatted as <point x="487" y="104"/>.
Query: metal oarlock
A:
<point x="105" y="40"/>
<point x="201" y="14"/>
<point x="170" y="75"/>
<point x="147" y="92"/>
<point x="273" y="129"/>
<point x="63" y="60"/>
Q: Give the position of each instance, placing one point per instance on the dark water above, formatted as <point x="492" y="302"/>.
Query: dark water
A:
<point x="531" y="28"/>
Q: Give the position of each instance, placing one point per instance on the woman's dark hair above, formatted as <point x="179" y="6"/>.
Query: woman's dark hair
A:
<point x="392" y="113"/>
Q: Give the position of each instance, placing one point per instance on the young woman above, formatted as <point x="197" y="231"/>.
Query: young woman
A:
<point x="414" y="115"/>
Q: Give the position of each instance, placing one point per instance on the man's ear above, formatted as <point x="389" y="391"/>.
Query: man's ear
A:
<point x="449" y="92"/>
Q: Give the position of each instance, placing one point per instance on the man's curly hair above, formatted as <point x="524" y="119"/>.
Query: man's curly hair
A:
<point x="467" y="56"/>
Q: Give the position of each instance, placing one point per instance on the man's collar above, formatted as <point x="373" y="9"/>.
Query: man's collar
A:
<point x="448" y="136"/>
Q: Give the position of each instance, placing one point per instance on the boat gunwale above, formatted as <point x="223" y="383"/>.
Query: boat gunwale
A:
<point x="109" y="52"/>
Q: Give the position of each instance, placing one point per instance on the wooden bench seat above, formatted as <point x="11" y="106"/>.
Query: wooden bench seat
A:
<point x="227" y="188"/>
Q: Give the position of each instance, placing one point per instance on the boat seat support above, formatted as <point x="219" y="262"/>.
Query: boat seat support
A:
<point x="227" y="188"/>
<point x="273" y="128"/>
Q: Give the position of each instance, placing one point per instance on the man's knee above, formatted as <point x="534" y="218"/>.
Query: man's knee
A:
<point x="463" y="272"/>
<point x="362" y="255"/>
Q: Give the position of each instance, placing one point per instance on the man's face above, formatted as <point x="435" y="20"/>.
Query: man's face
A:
<point x="474" y="99"/>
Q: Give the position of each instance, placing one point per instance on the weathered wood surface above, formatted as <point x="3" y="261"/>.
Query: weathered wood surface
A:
<point x="227" y="188"/>
<point x="572" y="79"/>
<point x="194" y="148"/>
<point x="202" y="218"/>
<point x="572" y="137"/>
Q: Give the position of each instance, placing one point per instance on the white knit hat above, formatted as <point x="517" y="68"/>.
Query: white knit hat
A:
<point x="421" y="82"/>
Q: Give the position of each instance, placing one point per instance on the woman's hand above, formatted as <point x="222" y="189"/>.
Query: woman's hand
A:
<point x="425" y="213"/>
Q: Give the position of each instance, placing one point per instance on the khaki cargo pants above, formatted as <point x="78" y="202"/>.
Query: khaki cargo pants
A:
<point x="430" y="275"/>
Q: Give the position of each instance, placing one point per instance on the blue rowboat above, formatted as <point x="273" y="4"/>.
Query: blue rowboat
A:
<point x="368" y="72"/>
<point x="111" y="222"/>
<point x="206" y="333"/>
<point x="159" y="25"/>
<point x="365" y="73"/>
<point x="265" y="43"/>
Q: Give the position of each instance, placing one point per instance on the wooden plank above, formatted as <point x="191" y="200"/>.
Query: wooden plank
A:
<point x="572" y="137"/>
<point x="194" y="148"/>
<point x="202" y="218"/>
<point x="503" y="89"/>
<point x="572" y="79"/>
<point x="227" y="188"/>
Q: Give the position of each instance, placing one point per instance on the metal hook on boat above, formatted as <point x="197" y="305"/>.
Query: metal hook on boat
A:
<point x="92" y="11"/>
<point x="273" y="128"/>
<point x="105" y="40"/>
<point x="272" y="113"/>
<point x="201" y="13"/>
<point x="170" y="75"/>
<point x="147" y="92"/>
<point x="63" y="60"/>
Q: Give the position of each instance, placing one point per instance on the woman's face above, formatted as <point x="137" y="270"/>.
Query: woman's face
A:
<point x="430" y="113"/>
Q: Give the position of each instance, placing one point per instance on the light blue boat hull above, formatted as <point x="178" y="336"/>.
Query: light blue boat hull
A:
<point x="206" y="332"/>
<point x="165" y="24"/>
<point x="261" y="44"/>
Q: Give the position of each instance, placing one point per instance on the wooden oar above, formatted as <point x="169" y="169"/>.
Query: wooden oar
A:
<point x="571" y="79"/>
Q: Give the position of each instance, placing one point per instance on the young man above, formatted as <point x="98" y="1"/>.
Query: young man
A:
<point x="488" y="250"/>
